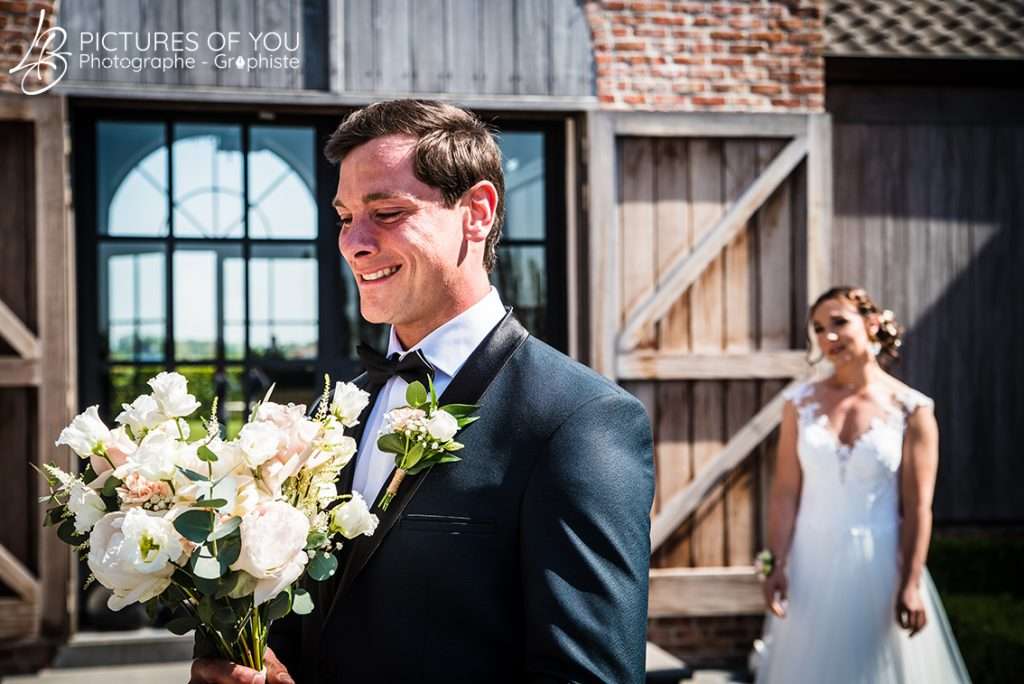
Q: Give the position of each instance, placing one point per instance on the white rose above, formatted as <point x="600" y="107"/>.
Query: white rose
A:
<point x="334" y="445"/>
<point x="348" y="402"/>
<point x="326" y="492"/>
<point x="258" y="441"/>
<point x="142" y="415"/>
<point x="353" y="518"/>
<point x="117" y="449"/>
<point x="273" y="541"/>
<point x="87" y="506"/>
<point x="442" y="426"/>
<point x="170" y="390"/>
<point x="85" y="433"/>
<point x="156" y="458"/>
<point x="130" y="554"/>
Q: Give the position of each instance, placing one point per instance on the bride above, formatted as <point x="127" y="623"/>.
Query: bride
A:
<point x="848" y="595"/>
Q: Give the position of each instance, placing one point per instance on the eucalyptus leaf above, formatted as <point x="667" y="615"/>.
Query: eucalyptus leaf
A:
<point x="66" y="533"/>
<point x="207" y="567"/>
<point x="193" y="475"/>
<point x="459" y="410"/>
<point x="279" y="606"/>
<point x="322" y="566"/>
<point x="416" y="394"/>
<point x="227" y="553"/>
<point x="302" y="602"/>
<point x="209" y="503"/>
<point x="182" y="625"/>
<point x="110" y="486"/>
<point x="315" y="540"/>
<point x="194" y="525"/>
<point x="205" y="609"/>
<point x="391" y="443"/>
<point x="206" y="586"/>
<point x="229" y="526"/>
<point x="206" y="454"/>
<point x="228" y="584"/>
<point x="224" y="619"/>
<point x="53" y="515"/>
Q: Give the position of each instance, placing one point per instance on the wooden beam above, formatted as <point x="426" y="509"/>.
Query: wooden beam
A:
<point x="18" y="619"/>
<point x="676" y="510"/>
<point x="18" y="372"/>
<point x="17" y="334"/>
<point x="654" y="365"/>
<point x="819" y="205"/>
<point x="605" y="261"/>
<point x="704" y="592"/>
<point x="688" y="266"/>
<point x="709" y="124"/>
<point x="15" y="575"/>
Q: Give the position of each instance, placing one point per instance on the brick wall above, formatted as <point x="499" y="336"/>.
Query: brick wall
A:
<point x="724" y="642"/>
<point x="18" y="23"/>
<point x="730" y="55"/>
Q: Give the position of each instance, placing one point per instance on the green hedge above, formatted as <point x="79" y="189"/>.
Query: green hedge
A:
<point x="978" y="577"/>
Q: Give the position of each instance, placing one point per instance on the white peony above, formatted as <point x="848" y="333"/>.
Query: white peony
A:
<point x="170" y="390"/>
<point x="86" y="434"/>
<point x="442" y="426"/>
<point x="273" y="542"/>
<point x="333" y="445"/>
<point x="131" y="553"/>
<point x="86" y="505"/>
<point x="142" y="415"/>
<point x="348" y="402"/>
<point x="258" y="441"/>
<point x="274" y="472"/>
<point x="353" y="518"/>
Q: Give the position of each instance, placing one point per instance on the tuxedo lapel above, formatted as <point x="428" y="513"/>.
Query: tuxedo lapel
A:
<point x="468" y="385"/>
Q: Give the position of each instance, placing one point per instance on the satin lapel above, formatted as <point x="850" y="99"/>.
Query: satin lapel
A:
<point x="468" y="385"/>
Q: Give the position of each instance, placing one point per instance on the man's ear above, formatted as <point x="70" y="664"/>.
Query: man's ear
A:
<point x="481" y="204"/>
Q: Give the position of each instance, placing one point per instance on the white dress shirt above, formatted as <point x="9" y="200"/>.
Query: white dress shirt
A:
<point x="447" y="349"/>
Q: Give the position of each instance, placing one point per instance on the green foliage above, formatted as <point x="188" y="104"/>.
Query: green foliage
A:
<point x="182" y="625"/>
<point x="194" y="525"/>
<point x="66" y="533"/>
<point x="229" y="526"/>
<point x="193" y="475"/>
<point x="279" y="606"/>
<point x="322" y="566"/>
<point x="302" y="602"/>
<point x="416" y="395"/>
<point x="391" y="443"/>
<point x="205" y="454"/>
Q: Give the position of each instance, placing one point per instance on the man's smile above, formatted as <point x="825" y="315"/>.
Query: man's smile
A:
<point x="379" y="276"/>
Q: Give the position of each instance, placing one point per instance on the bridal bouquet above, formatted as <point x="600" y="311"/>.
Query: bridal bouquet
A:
<point x="219" y="531"/>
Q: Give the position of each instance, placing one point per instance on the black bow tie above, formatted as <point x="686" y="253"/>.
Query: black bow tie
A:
<point x="379" y="368"/>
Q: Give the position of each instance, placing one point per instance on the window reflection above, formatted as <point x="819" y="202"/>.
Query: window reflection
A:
<point x="522" y="281"/>
<point x="281" y="183"/>
<point x="207" y="171"/>
<point x="132" y="301"/>
<point x="283" y="319"/>
<point x="523" y="162"/>
<point x="131" y="184"/>
<point x="205" y="290"/>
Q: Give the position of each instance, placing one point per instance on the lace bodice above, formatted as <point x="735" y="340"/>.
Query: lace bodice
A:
<point x="851" y="485"/>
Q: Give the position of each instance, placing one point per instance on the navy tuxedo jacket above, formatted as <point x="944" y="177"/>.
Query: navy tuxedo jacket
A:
<point x="526" y="561"/>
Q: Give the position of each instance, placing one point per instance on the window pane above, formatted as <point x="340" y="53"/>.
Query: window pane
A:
<point x="283" y="302"/>
<point x="207" y="181"/>
<point x="282" y="182"/>
<point x="131" y="179"/>
<point x="523" y="162"/>
<point x="360" y="330"/>
<point x="206" y="382"/>
<point x="522" y="282"/>
<point x="205" y="291"/>
<point x="132" y="301"/>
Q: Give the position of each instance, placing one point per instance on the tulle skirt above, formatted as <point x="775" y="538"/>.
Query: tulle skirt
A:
<point x="840" y="625"/>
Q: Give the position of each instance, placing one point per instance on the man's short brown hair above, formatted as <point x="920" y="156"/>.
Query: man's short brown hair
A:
<point x="454" y="149"/>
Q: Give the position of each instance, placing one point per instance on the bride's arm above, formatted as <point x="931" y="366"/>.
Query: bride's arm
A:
<point x="782" y="508"/>
<point x="917" y="486"/>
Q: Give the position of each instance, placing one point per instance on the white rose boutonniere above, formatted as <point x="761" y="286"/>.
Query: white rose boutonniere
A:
<point x="421" y="434"/>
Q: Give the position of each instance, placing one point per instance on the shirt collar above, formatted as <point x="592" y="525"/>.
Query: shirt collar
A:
<point x="448" y="347"/>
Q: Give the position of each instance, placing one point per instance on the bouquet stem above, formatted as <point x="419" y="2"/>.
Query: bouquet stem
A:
<point x="396" y="482"/>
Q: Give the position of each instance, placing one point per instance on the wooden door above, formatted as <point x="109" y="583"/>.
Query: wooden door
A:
<point x="712" y="234"/>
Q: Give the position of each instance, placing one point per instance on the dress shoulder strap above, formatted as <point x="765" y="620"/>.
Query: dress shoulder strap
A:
<point x="798" y="393"/>
<point x="911" y="400"/>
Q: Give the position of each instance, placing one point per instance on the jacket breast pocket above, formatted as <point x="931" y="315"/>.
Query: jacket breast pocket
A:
<point x="446" y="524"/>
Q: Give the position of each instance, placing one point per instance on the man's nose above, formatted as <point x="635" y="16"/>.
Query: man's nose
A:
<point x="357" y="240"/>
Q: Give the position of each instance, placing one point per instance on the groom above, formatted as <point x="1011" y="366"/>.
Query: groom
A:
<point x="526" y="561"/>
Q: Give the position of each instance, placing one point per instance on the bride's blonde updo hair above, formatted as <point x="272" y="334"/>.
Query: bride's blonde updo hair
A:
<point x="889" y="336"/>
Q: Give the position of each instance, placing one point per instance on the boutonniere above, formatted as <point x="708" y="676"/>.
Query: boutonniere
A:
<point x="420" y="434"/>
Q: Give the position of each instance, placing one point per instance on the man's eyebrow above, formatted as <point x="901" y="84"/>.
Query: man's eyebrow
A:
<point x="374" y="196"/>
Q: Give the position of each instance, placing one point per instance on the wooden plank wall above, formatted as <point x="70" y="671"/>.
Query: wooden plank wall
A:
<point x="930" y="220"/>
<point x="483" y="47"/>
<point x="203" y="17"/>
<point x="670" y="192"/>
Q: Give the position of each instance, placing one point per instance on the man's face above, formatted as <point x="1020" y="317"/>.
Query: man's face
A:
<point x="405" y="248"/>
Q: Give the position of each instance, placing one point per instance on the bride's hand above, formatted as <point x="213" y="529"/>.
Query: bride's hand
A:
<point x="776" y="590"/>
<point x="910" y="613"/>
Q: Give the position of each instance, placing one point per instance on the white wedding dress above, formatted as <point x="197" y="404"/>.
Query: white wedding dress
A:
<point x="843" y="570"/>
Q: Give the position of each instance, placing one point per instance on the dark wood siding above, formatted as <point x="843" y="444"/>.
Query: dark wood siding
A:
<point x="929" y="203"/>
